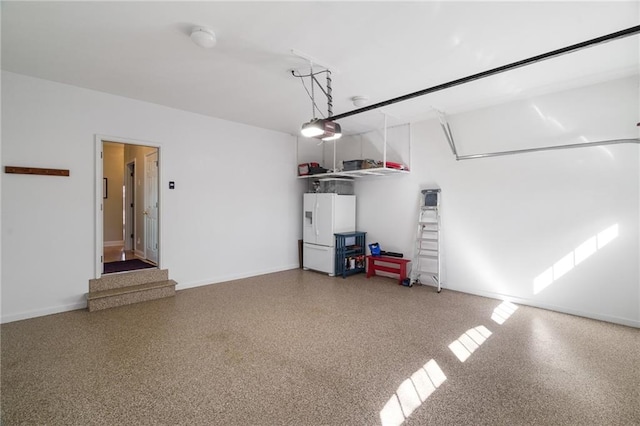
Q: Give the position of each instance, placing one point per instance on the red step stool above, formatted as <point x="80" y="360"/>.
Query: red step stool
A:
<point x="400" y="266"/>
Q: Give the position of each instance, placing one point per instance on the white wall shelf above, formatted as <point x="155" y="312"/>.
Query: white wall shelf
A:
<point x="378" y="171"/>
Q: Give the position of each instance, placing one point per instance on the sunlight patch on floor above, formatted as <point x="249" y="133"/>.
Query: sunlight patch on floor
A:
<point x="503" y="311"/>
<point x="468" y="342"/>
<point x="412" y="393"/>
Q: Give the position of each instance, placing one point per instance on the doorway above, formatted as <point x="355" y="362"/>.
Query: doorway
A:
<point x="128" y="206"/>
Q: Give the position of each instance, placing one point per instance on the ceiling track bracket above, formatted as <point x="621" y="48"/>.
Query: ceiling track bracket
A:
<point x="548" y="148"/>
<point x="444" y="124"/>
<point x="446" y="129"/>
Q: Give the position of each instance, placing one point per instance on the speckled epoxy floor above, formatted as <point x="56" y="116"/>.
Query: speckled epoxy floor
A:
<point x="302" y="348"/>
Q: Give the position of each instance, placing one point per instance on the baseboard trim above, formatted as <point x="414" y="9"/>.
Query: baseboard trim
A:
<point x="561" y="309"/>
<point x="83" y="305"/>
<point x="113" y="243"/>
<point x="183" y="286"/>
<point x="232" y="277"/>
<point x="43" y="312"/>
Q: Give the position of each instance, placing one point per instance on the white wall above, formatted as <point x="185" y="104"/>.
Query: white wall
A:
<point x="234" y="212"/>
<point x="508" y="220"/>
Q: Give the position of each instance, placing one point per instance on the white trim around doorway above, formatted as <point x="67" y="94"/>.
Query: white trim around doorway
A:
<point x="98" y="206"/>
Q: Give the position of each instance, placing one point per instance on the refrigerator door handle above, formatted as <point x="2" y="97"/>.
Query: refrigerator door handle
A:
<point x="316" y="221"/>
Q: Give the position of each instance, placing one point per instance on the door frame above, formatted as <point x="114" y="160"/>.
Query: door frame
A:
<point x="98" y="204"/>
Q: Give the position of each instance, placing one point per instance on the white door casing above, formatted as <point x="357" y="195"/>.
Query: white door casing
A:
<point x="98" y="218"/>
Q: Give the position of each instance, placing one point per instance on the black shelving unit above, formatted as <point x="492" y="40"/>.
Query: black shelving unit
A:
<point x="350" y="253"/>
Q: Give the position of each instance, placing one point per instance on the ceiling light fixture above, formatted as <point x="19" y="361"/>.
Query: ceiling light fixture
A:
<point x="359" y="101"/>
<point x="203" y="37"/>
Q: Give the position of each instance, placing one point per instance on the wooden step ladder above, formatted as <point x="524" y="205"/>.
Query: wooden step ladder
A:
<point x="426" y="260"/>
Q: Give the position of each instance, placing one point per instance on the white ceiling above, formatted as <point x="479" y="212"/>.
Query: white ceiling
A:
<point x="382" y="50"/>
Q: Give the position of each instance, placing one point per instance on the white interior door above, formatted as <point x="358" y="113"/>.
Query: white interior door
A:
<point x="151" y="207"/>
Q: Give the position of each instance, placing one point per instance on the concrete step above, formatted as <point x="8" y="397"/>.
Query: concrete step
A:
<point x="127" y="279"/>
<point x="120" y="296"/>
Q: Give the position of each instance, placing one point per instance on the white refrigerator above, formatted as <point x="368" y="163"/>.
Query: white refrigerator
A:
<point x="324" y="215"/>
